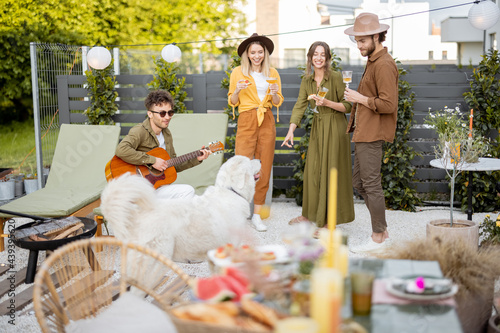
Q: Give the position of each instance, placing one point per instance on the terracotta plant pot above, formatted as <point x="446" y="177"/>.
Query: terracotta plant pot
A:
<point x="494" y="324"/>
<point x="468" y="231"/>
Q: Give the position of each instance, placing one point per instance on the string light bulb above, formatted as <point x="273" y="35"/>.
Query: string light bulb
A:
<point x="484" y="14"/>
<point x="171" y="53"/>
<point x="99" y="57"/>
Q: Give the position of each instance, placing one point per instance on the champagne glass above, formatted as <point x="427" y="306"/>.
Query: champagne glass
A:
<point x="347" y="76"/>
<point x="321" y="94"/>
<point x="271" y="80"/>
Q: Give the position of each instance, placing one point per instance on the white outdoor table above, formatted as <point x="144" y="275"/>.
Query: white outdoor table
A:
<point x="484" y="164"/>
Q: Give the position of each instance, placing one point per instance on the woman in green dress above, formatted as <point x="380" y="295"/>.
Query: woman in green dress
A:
<point x="329" y="143"/>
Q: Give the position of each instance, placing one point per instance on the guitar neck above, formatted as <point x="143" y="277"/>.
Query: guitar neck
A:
<point x="183" y="158"/>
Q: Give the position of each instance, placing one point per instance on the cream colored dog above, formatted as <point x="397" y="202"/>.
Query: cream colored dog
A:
<point x="183" y="229"/>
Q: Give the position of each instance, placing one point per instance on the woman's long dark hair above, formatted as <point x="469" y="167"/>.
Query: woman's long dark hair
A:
<point x="328" y="56"/>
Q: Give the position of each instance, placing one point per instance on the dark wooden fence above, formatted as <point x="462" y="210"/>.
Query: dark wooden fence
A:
<point x="435" y="87"/>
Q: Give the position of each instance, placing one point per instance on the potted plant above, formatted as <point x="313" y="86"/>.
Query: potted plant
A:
<point x="457" y="145"/>
<point x="7" y="188"/>
<point x="30" y="181"/>
<point x="489" y="231"/>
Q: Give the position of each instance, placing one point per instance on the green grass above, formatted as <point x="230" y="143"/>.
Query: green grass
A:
<point x="16" y="141"/>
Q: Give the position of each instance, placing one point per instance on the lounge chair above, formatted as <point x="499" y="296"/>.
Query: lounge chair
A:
<point x="76" y="177"/>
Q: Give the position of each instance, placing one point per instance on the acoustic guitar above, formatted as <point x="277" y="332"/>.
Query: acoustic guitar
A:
<point x="117" y="167"/>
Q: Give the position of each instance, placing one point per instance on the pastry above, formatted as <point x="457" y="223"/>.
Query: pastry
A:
<point x="259" y="312"/>
<point x="268" y="255"/>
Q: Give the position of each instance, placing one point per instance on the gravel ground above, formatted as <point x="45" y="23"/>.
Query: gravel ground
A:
<point x="402" y="226"/>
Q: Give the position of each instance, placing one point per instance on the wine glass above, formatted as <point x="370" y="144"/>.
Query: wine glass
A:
<point x="321" y="94"/>
<point x="271" y="80"/>
<point x="347" y="76"/>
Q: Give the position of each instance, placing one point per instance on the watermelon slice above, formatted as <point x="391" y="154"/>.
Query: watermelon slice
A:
<point x="237" y="275"/>
<point x="212" y="289"/>
<point x="235" y="286"/>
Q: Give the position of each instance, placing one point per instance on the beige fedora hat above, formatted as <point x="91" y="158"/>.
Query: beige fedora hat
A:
<point x="366" y="24"/>
<point x="268" y="43"/>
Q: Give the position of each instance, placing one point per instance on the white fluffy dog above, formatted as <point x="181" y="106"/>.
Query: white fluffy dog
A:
<point x="183" y="229"/>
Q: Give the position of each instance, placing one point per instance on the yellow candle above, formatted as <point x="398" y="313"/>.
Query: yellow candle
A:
<point x="324" y="236"/>
<point x="470" y="122"/>
<point x="342" y="259"/>
<point x="332" y="200"/>
<point x="332" y="214"/>
<point x="326" y="295"/>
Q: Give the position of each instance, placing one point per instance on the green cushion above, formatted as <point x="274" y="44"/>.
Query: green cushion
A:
<point x="191" y="132"/>
<point x="76" y="175"/>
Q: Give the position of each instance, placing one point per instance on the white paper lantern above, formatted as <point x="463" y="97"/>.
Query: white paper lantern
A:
<point x="99" y="57"/>
<point x="171" y="53"/>
<point x="484" y="15"/>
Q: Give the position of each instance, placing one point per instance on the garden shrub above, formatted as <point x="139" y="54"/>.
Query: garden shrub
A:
<point x="484" y="99"/>
<point x="101" y="90"/>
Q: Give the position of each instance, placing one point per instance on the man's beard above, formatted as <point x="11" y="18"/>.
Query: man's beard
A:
<point x="371" y="49"/>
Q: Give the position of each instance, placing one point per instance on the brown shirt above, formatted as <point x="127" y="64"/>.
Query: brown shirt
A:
<point x="380" y="84"/>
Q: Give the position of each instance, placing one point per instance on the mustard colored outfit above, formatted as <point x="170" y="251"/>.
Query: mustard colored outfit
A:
<point x="256" y="131"/>
<point x="329" y="147"/>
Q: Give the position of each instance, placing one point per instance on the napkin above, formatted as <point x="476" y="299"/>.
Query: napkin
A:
<point x="380" y="295"/>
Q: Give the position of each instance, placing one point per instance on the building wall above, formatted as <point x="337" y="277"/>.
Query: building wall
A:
<point x="407" y="39"/>
<point x="267" y="21"/>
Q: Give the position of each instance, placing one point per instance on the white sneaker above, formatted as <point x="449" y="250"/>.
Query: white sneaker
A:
<point x="369" y="246"/>
<point x="257" y="223"/>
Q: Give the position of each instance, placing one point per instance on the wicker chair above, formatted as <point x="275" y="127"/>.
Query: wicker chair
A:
<point x="82" y="278"/>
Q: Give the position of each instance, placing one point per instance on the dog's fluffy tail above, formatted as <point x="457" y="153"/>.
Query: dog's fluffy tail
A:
<point x="125" y="201"/>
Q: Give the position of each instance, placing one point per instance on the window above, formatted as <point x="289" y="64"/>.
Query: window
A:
<point x="295" y="57"/>
<point x="431" y="55"/>
<point x="445" y="55"/>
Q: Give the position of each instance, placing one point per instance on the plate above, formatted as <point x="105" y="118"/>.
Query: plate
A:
<point x="279" y="250"/>
<point x="443" y="289"/>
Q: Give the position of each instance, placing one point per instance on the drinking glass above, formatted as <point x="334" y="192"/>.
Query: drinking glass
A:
<point x="271" y="80"/>
<point x="361" y="288"/>
<point x="321" y="94"/>
<point x="347" y="76"/>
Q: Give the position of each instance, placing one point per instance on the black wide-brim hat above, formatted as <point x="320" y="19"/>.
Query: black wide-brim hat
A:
<point x="269" y="45"/>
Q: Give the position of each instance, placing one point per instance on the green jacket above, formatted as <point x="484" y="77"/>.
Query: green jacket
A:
<point x="140" y="139"/>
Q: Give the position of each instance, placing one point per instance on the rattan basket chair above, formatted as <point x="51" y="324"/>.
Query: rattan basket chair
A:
<point x="81" y="279"/>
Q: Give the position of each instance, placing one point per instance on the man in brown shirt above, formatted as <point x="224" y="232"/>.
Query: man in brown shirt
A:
<point x="373" y="121"/>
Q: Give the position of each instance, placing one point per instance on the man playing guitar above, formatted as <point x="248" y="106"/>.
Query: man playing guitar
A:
<point x="152" y="133"/>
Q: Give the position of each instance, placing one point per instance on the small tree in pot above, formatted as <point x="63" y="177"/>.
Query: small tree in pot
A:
<point x="457" y="145"/>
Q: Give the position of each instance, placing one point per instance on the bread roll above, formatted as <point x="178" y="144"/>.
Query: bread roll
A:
<point x="259" y="312"/>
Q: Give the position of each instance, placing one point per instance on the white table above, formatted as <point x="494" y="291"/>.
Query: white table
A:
<point x="484" y="164"/>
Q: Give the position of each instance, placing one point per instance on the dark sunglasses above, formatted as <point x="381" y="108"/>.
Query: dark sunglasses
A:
<point x="164" y="113"/>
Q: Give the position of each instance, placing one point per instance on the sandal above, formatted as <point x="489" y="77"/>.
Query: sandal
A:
<point x="297" y="220"/>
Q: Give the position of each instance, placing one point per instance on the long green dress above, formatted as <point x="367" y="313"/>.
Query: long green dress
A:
<point x="329" y="146"/>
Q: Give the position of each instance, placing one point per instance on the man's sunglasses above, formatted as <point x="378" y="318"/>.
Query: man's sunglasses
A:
<point x="164" y="113"/>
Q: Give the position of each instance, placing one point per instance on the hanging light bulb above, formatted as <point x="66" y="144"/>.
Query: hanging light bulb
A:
<point x="99" y="57"/>
<point x="171" y="53"/>
<point x="484" y="14"/>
